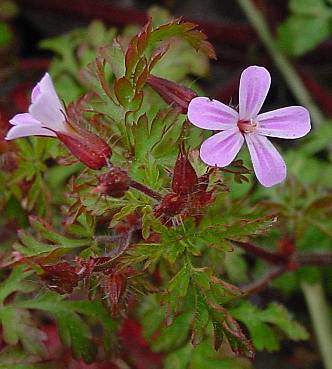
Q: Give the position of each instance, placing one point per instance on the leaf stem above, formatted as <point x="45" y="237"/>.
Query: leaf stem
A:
<point x="320" y="314"/>
<point x="288" y="71"/>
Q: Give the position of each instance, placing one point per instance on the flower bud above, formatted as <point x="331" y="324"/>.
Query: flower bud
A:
<point x="173" y="93"/>
<point x="113" y="183"/>
<point x="88" y="148"/>
<point x="184" y="176"/>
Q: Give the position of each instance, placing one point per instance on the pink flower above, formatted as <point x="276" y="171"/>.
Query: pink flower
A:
<point x="247" y="125"/>
<point x="46" y="114"/>
<point x="47" y="117"/>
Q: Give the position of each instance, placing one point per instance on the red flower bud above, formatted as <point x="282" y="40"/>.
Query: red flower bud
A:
<point x="61" y="277"/>
<point x="173" y="93"/>
<point x="88" y="148"/>
<point x="184" y="176"/>
<point x="114" y="183"/>
<point x="114" y="286"/>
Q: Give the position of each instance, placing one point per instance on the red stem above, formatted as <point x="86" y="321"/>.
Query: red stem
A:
<point x="146" y="190"/>
<point x="267" y="255"/>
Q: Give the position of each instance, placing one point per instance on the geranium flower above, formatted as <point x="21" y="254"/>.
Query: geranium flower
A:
<point x="247" y="125"/>
<point x="47" y="117"/>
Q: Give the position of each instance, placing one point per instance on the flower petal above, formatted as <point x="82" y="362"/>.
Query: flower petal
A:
<point x="35" y="93"/>
<point x="221" y="149"/>
<point x="254" y="85"/>
<point x="24" y="130"/>
<point x="211" y="114"/>
<point x="24" y="118"/>
<point x="268" y="164"/>
<point x="46" y="86"/>
<point x="48" y="112"/>
<point x="290" y="122"/>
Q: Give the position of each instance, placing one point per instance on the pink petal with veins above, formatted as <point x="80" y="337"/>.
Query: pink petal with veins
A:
<point x="291" y="122"/>
<point x="254" y="85"/>
<point x="221" y="149"/>
<point x="268" y="164"/>
<point x="211" y="114"/>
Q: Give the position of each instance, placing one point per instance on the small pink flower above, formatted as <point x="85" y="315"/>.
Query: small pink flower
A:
<point x="247" y="125"/>
<point x="47" y="117"/>
<point x="46" y="114"/>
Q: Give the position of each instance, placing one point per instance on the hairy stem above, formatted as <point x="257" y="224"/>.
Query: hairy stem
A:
<point x="261" y="284"/>
<point x="288" y="71"/>
<point x="320" y="314"/>
<point x="146" y="190"/>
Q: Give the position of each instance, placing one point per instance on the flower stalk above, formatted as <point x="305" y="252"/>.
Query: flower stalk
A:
<point x="320" y="314"/>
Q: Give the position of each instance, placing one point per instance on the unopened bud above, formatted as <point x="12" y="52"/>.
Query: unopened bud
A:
<point x="114" y="183"/>
<point x="88" y="148"/>
<point x="173" y="93"/>
<point x="184" y="176"/>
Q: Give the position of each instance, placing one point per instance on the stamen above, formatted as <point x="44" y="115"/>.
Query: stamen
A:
<point x="247" y="126"/>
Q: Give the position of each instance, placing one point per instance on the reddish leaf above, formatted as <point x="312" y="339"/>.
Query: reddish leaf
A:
<point x="157" y="54"/>
<point x="240" y="344"/>
<point x="114" y="285"/>
<point x="186" y="30"/>
<point x="143" y="37"/>
<point x="131" y="57"/>
<point x="124" y="91"/>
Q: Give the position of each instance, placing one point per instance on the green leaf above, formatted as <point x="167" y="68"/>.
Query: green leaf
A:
<point x="278" y="315"/>
<point x="14" y="357"/>
<point x="73" y="330"/>
<point x="152" y="315"/>
<point x="180" y="282"/>
<point x="124" y="91"/>
<point x="200" y="321"/>
<point x="300" y="34"/>
<point x="260" y="324"/>
<point x="203" y="356"/>
<point x="235" y="266"/>
<point x="17" y="325"/>
<point x="6" y="35"/>
<point x="15" y="282"/>
<point x="173" y="336"/>
<point x="317" y="7"/>
<point x="200" y="357"/>
<point x="179" y="359"/>
<point x="158" y="137"/>
<point x="49" y="234"/>
<point x="185" y="30"/>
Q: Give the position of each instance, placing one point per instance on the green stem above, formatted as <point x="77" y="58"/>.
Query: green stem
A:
<point x="288" y="71"/>
<point x="320" y="314"/>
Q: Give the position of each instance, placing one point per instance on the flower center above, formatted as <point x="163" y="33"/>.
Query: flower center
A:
<point x="247" y="126"/>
